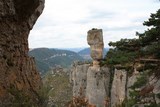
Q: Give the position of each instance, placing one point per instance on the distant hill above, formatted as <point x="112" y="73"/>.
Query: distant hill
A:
<point x="73" y="49"/>
<point x="48" y="58"/>
<point x="85" y="53"/>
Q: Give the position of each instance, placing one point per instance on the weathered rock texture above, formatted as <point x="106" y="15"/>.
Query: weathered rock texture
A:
<point x="92" y="82"/>
<point x="95" y="40"/>
<point x="118" y="87"/>
<point x="121" y="88"/>
<point x="156" y="83"/>
<point x="97" y="77"/>
<point x="79" y="79"/>
<point x="97" y="90"/>
<point x="131" y="80"/>
<point x="17" y="69"/>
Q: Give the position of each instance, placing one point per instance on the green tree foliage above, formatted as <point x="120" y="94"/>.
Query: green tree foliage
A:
<point x="150" y="39"/>
<point x="147" y="45"/>
<point x="124" y="51"/>
<point x="127" y="52"/>
<point x="141" y="81"/>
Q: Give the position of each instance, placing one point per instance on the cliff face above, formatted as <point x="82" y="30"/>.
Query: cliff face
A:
<point x="90" y="83"/>
<point x="121" y="89"/>
<point x="118" y="87"/>
<point x="17" y="69"/>
<point x="97" y="91"/>
<point x="78" y="78"/>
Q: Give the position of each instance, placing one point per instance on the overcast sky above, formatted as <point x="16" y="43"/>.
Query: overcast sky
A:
<point x="64" y="23"/>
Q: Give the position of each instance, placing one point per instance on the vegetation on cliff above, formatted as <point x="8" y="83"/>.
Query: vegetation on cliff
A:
<point x="143" y="54"/>
<point x="144" y="49"/>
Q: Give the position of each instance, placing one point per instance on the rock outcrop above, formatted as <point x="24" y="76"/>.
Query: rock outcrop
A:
<point x="97" y="77"/>
<point x="122" y="89"/>
<point x="156" y="83"/>
<point x="95" y="40"/>
<point x="17" y="69"/>
<point x="118" y="88"/>
<point x="92" y="81"/>
<point x="79" y="79"/>
<point x="97" y="90"/>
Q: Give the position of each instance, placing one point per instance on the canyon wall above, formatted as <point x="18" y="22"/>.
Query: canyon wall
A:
<point x="17" y="70"/>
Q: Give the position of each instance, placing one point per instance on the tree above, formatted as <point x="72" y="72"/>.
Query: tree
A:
<point x="146" y="46"/>
<point x="150" y="39"/>
<point x="144" y="51"/>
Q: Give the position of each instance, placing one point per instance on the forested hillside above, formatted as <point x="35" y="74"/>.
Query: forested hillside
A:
<point x="48" y="58"/>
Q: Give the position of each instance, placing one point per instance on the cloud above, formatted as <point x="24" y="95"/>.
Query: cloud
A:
<point x="64" y="23"/>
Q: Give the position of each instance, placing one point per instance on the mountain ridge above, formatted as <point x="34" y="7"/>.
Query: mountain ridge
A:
<point x="47" y="58"/>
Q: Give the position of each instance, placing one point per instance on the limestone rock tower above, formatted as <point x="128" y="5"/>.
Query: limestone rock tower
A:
<point x="95" y="40"/>
<point x="97" y="77"/>
<point x="92" y="80"/>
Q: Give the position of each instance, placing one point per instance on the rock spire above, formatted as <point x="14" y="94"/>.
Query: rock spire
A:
<point x="95" y="40"/>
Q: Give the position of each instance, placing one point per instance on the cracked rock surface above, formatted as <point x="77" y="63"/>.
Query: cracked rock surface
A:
<point x="17" y="69"/>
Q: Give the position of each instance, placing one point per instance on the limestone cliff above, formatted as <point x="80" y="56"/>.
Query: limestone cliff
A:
<point x="78" y="78"/>
<point x="98" y="78"/>
<point x="97" y="91"/>
<point x="93" y="82"/>
<point x="122" y="89"/>
<point x="17" y="69"/>
<point x="90" y="83"/>
<point x="90" y="80"/>
<point x="118" y="87"/>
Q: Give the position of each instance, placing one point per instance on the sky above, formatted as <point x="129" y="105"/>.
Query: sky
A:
<point x="64" y="23"/>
